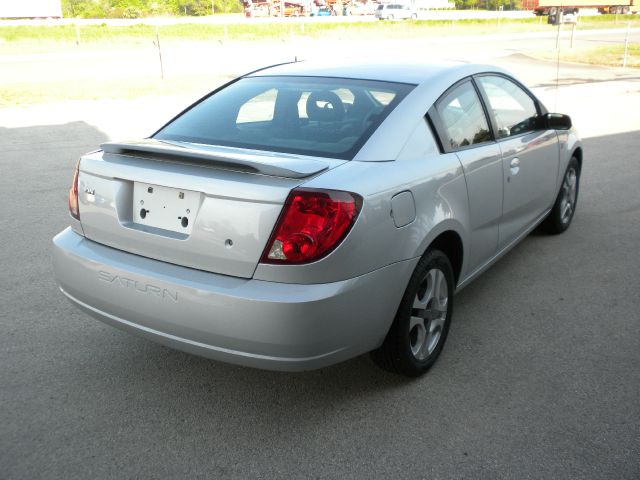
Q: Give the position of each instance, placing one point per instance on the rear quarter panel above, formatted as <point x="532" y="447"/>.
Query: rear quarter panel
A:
<point x="437" y="184"/>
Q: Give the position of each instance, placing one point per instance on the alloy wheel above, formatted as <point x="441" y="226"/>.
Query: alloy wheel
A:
<point x="569" y="192"/>
<point x="428" y="314"/>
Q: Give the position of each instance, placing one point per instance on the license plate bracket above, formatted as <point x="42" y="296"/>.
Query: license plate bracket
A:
<point x="166" y="208"/>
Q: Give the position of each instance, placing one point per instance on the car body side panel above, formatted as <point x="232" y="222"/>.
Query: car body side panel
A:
<point x="438" y="187"/>
<point x="483" y="173"/>
<point x="569" y="141"/>
<point x="529" y="189"/>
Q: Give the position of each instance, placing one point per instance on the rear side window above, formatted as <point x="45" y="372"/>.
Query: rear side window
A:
<point x="514" y="110"/>
<point x="462" y="117"/>
<point x="326" y="117"/>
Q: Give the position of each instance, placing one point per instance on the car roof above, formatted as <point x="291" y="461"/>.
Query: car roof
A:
<point x="432" y="79"/>
<point x="415" y="73"/>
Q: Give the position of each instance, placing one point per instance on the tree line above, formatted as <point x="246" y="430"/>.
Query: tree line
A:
<point x="146" y="8"/>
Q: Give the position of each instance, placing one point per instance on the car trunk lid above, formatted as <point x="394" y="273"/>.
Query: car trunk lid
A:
<point x="208" y="208"/>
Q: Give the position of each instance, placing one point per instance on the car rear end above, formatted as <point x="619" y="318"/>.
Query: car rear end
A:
<point x="132" y="261"/>
<point x="167" y="235"/>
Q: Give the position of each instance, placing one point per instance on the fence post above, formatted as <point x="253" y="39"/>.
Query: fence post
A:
<point x="157" y="44"/>
<point x="573" y="32"/>
<point x="626" y="45"/>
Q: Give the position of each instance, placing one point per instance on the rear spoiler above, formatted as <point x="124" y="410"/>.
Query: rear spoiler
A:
<point x="277" y="165"/>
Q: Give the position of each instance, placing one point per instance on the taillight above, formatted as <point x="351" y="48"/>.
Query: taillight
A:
<point x="73" y="194"/>
<point x="311" y="225"/>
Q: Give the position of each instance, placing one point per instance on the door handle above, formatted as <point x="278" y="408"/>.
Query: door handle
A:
<point x="515" y="166"/>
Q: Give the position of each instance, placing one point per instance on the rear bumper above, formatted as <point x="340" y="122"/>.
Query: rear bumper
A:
<point x="261" y="324"/>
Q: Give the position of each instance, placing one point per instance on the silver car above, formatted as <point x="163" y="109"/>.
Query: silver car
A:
<point x="395" y="11"/>
<point x="305" y="213"/>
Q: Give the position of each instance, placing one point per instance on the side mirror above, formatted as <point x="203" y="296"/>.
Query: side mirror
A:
<point x="556" y="121"/>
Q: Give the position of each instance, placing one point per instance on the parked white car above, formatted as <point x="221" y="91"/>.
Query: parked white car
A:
<point x="393" y="11"/>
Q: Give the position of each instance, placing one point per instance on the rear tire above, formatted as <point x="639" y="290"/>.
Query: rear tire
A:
<point x="421" y="325"/>
<point x="564" y="207"/>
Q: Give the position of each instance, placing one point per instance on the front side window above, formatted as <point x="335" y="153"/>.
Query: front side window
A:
<point x="463" y="117"/>
<point x="327" y="117"/>
<point x="514" y="110"/>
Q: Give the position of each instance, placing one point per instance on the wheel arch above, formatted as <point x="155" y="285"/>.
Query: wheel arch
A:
<point x="578" y="154"/>
<point x="450" y="243"/>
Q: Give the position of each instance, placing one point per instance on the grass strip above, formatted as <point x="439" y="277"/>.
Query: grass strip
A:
<point x="278" y="30"/>
<point x="609" y="55"/>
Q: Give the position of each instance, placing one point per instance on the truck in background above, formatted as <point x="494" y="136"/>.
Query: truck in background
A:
<point x="552" y="7"/>
<point x="30" y="9"/>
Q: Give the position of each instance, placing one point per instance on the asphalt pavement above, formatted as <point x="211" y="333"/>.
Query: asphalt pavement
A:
<point x="540" y="377"/>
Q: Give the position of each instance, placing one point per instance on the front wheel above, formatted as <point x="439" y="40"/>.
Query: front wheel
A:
<point x="564" y="207"/>
<point x="420" y="328"/>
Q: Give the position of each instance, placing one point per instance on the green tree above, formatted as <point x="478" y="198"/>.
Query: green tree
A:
<point x="140" y="8"/>
<point x="228" y="6"/>
<point x="195" y="8"/>
<point x="505" y="4"/>
<point x="467" y="4"/>
<point x="85" y="8"/>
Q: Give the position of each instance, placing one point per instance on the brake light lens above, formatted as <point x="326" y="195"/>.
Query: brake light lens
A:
<point x="311" y="225"/>
<point x="73" y="194"/>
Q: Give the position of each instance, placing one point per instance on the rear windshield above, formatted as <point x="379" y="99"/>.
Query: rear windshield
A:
<point x="326" y="117"/>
